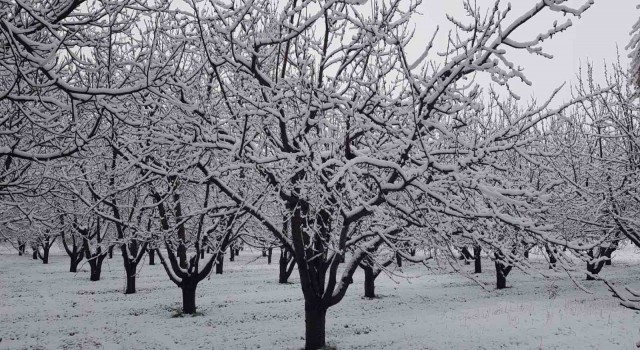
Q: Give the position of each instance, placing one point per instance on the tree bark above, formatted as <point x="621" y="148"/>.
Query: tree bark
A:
<point x="286" y="264"/>
<point x="608" y="252"/>
<point x="502" y="271"/>
<point x="398" y="260"/>
<point x="131" y="283"/>
<point x="369" y="282"/>
<point x="219" y="264"/>
<point x="73" y="265"/>
<point x="96" y="271"/>
<point x="188" y="298"/>
<point x="595" y="268"/>
<point x="34" y="256"/>
<point x="477" y="259"/>
<point x="269" y="255"/>
<point x="315" y="323"/>
<point x="466" y="255"/>
<point x="45" y="254"/>
<point x="552" y="256"/>
<point x="232" y="254"/>
<point x="152" y="256"/>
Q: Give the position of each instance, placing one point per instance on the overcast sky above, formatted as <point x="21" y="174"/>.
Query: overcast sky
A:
<point x="593" y="37"/>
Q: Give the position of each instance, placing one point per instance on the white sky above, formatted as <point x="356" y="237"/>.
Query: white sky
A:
<point x="593" y="37"/>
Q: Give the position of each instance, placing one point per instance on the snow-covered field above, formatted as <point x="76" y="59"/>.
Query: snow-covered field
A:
<point x="46" y="307"/>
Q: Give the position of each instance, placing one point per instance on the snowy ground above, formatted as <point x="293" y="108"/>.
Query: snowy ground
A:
<point x="46" y="307"/>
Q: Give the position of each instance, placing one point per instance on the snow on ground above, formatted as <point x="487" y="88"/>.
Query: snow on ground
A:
<point x="46" y="307"/>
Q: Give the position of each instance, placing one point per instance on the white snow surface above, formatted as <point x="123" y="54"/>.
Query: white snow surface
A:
<point x="47" y="307"/>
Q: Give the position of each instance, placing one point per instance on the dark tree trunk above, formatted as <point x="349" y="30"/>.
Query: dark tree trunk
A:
<point x="189" y="298"/>
<point x="152" y="256"/>
<point x="45" y="255"/>
<point x="76" y="254"/>
<point x="398" y="260"/>
<point x="219" y="264"/>
<point x="269" y="255"/>
<point x="110" y="252"/>
<point x="552" y="256"/>
<point x="205" y="245"/>
<point x="34" y="256"/>
<point x="501" y="280"/>
<point x="95" y="263"/>
<point x="96" y="270"/>
<point x="132" y="254"/>
<point x="237" y="251"/>
<point x="131" y="283"/>
<point x="369" y="282"/>
<point x="182" y="255"/>
<point x="45" y="252"/>
<point x="22" y="248"/>
<point x="232" y="254"/>
<point x="593" y="268"/>
<point x="315" y="323"/>
<point x="608" y="252"/>
<point x="477" y="259"/>
<point x="75" y="261"/>
<point x="264" y="253"/>
<point x="466" y="255"/>
<point x="526" y="254"/>
<point x="502" y="271"/>
<point x="286" y="264"/>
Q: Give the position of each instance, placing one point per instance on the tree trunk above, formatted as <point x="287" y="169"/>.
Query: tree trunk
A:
<point x="466" y="255"/>
<point x="264" y="253"/>
<point x="131" y="283"/>
<point x="477" y="259"/>
<point x="189" y="298"/>
<point x="315" y="322"/>
<point x="286" y="263"/>
<point x="219" y="263"/>
<point x="502" y="271"/>
<point x="552" y="256"/>
<point x="398" y="260"/>
<point x="369" y="282"/>
<point x="269" y="255"/>
<point x="22" y="247"/>
<point x="130" y="271"/>
<point x="182" y="255"/>
<point x="201" y="253"/>
<point x="501" y="280"/>
<point x="232" y="254"/>
<point x="73" y="265"/>
<point x="595" y="268"/>
<point x="35" y="254"/>
<point x="608" y="252"/>
<point x="96" y="268"/>
<point x="45" y="254"/>
<point x="152" y="256"/>
<point x="110" y="252"/>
